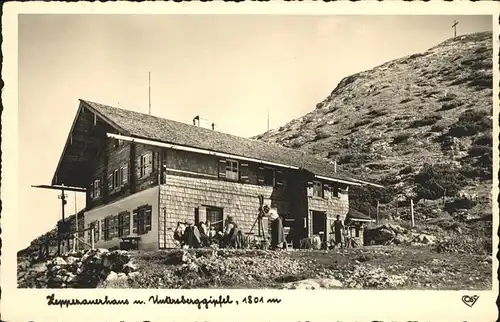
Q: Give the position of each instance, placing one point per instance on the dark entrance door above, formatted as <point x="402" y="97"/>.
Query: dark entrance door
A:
<point x="319" y="226"/>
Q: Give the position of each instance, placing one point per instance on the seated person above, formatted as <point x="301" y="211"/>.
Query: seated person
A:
<point x="229" y="231"/>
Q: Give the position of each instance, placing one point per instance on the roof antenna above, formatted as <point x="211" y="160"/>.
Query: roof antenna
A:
<point x="149" y="92"/>
<point x="268" y="119"/>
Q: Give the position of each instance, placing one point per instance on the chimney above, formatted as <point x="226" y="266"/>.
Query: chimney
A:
<point x="201" y="122"/>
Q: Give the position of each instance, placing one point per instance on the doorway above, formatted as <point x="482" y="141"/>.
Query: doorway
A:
<point x="319" y="226"/>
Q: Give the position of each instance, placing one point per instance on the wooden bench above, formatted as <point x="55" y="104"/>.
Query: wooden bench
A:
<point x="130" y="243"/>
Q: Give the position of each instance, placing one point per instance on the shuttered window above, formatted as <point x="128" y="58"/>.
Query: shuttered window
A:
<point x="142" y="220"/>
<point x="232" y="172"/>
<point x="145" y="165"/>
<point x="95" y="189"/>
<point x="123" y="224"/>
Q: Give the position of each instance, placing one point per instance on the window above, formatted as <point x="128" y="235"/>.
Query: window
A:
<point x="142" y="220"/>
<point x="317" y="189"/>
<point x="335" y="192"/>
<point x="232" y="170"/>
<point x="143" y="161"/>
<point x="95" y="189"/>
<point x="214" y="216"/>
<point x="123" y="224"/>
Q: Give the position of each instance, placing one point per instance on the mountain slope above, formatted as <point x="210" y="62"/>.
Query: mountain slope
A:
<point x="419" y="124"/>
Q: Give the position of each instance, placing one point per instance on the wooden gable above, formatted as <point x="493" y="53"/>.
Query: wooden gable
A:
<point x="86" y="140"/>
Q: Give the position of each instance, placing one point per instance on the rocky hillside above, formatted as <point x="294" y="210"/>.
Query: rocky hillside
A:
<point x="420" y="125"/>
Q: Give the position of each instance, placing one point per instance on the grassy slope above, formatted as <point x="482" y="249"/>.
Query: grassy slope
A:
<point x="378" y="122"/>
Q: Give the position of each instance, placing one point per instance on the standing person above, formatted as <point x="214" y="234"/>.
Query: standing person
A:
<point x="277" y="231"/>
<point x="338" y="228"/>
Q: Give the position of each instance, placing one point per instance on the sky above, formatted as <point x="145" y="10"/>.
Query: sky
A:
<point x="231" y="69"/>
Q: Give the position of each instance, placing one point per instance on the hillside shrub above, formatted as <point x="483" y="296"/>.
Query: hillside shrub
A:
<point x="447" y="97"/>
<point x="427" y="120"/>
<point x="480" y="150"/>
<point x="405" y="100"/>
<point x="471" y="122"/>
<point x="355" y="159"/>
<point x="474" y="172"/>
<point x="361" y="123"/>
<point x="400" y="138"/>
<point x="484" y="139"/>
<point x="432" y="181"/>
<point x="320" y="134"/>
<point x="437" y="128"/>
<point x="406" y="170"/>
<point x="457" y="204"/>
<point x="450" y="105"/>
<point x="481" y="79"/>
<point x="377" y="113"/>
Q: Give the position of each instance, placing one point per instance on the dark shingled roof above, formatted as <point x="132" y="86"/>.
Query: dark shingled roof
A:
<point x="159" y="129"/>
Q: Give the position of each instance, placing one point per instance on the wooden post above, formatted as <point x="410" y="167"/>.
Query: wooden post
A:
<point x="377" y="211"/>
<point x="412" y="215"/>
<point x="92" y="237"/>
<point x="74" y="241"/>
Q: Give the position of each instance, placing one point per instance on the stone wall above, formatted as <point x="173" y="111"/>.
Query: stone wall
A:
<point x="180" y="196"/>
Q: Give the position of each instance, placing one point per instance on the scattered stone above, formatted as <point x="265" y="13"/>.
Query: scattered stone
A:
<point x="112" y="276"/>
<point x="313" y="284"/>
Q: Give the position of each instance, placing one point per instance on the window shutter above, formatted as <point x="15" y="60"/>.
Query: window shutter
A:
<point x="149" y="163"/>
<point x="96" y="231"/>
<point x="134" y="222"/>
<point x="154" y="162"/>
<point x="222" y="168"/>
<point x="110" y="182"/>
<point x="126" y="224"/>
<point x="138" y="167"/>
<point x="327" y="193"/>
<point x="147" y="223"/>
<point x="279" y="178"/>
<point x="92" y="191"/>
<point x="310" y="189"/>
<point x="245" y="171"/>
<point x="125" y="174"/>
<point x="260" y="175"/>
<point x="103" y="227"/>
